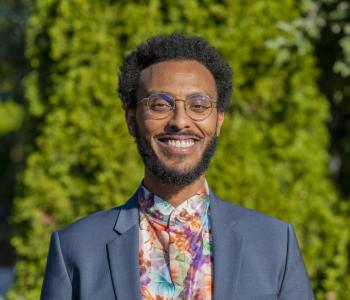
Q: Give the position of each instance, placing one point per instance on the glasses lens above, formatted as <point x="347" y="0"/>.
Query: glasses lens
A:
<point x="160" y="103"/>
<point x="199" y="106"/>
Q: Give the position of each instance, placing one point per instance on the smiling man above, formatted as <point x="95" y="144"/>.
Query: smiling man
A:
<point x="174" y="239"/>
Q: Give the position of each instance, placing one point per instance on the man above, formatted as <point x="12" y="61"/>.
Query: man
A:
<point x="174" y="239"/>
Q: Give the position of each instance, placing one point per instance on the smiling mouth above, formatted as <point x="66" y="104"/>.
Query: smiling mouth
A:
<point x="179" y="142"/>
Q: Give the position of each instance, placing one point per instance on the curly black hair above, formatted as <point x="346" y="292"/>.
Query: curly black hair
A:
<point x="169" y="47"/>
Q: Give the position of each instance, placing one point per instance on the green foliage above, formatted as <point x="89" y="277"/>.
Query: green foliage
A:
<point x="332" y="43"/>
<point x="272" y="154"/>
<point x="333" y="14"/>
<point x="12" y="113"/>
<point x="10" y="116"/>
<point x="12" y="64"/>
<point x="13" y="15"/>
<point x="325" y="25"/>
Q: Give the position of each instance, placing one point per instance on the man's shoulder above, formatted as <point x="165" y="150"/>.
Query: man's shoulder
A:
<point x="103" y="219"/>
<point x="98" y="218"/>
<point x="96" y="226"/>
<point x="259" y="230"/>
<point x="253" y="221"/>
<point x="249" y="213"/>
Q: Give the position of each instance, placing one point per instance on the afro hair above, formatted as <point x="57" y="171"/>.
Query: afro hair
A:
<point x="172" y="47"/>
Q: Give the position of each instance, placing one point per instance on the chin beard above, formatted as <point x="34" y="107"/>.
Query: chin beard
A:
<point x="170" y="176"/>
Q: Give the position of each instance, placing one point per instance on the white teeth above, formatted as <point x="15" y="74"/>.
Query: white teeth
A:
<point x="180" y="143"/>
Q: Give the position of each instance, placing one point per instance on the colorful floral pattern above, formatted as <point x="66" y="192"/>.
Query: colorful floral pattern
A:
<point x="175" y="247"/>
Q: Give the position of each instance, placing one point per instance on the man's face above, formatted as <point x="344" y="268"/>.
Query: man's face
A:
<point x="176" y="149"/>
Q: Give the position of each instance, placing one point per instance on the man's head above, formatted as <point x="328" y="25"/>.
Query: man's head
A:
<point x="175" y="90"/>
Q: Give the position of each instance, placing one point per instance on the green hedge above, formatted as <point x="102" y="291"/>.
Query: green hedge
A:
<point x="272" y="154"/>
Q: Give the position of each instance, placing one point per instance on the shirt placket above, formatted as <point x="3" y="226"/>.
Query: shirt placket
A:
<point x="176" y="266"/>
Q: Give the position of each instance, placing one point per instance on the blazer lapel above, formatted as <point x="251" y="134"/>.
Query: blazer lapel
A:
<point x="227" y="249"/>
<point x="123" y="253"/>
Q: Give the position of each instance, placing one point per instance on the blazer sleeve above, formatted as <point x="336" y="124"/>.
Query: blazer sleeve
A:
<point x="295" y="283"/>
<point x="57" y="284"/>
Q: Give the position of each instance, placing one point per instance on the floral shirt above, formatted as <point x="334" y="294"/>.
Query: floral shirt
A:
<point x="175" y="247"/>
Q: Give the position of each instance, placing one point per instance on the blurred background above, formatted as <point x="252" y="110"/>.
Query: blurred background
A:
<point x="65" y="151"/>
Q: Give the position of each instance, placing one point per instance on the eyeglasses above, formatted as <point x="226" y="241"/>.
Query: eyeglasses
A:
<point x="197" y="106"/>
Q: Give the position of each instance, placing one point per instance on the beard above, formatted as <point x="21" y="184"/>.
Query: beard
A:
<point x="171" y="176"/>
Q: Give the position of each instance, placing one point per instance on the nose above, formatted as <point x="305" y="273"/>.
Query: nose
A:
<point x="179" y="118"/>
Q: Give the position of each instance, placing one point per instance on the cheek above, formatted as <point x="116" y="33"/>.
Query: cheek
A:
<point x="150" y="127"/>
<point x="209" y="127"/>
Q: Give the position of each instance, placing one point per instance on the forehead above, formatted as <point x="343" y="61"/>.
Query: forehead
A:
<point x="178" y="76"/>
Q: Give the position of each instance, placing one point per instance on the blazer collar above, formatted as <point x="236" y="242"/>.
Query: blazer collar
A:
<point x="227" y="250"/>
<point x="128" y="216"/>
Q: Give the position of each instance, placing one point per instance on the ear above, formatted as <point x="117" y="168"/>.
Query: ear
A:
<point x="130" y="118"/>
<point x="220" y="121"/>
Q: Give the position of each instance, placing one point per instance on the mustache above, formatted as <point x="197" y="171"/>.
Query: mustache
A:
<point x="177" y="134"/>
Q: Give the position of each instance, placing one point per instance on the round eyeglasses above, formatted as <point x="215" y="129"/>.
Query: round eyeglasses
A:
<point x="197" y="106"/>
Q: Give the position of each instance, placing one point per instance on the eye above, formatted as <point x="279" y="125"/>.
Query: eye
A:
<point x="158" y="102"/>
<point x="199" y="103"/>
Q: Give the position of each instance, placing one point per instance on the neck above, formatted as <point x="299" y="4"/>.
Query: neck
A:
<point x="172" y="194"/>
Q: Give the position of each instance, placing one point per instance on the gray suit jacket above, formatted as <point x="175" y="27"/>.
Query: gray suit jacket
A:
<point x="255" y="257"/>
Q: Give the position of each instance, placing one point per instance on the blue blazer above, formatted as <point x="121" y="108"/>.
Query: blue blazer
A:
<point x="255" y="257"/>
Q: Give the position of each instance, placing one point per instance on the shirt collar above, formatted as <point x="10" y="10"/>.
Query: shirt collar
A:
<point x="157" y="208"/>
